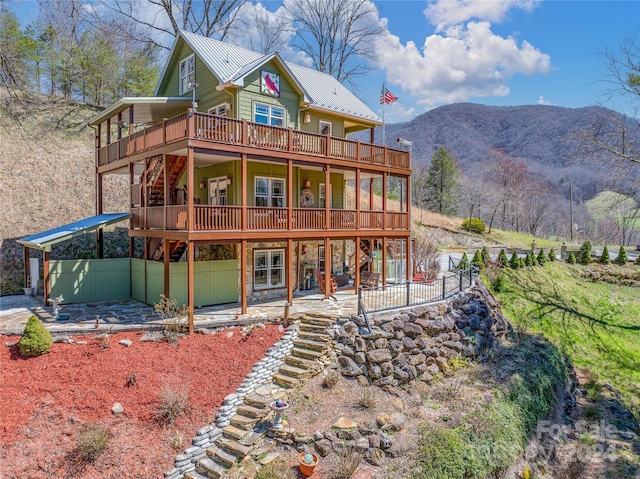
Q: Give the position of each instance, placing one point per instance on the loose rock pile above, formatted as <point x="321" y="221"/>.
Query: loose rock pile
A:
<point x="418" y="343"/>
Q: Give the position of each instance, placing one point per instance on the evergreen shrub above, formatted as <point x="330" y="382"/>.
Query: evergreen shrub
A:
<point x="604" y="259"/>
<point x="486" y="259"/>
<point x="477" y="260"/>
<point x="541" y="258"/>
<point x="552" y="255"/>
<point x="474" y="224"/>
<point x="502" y="259"/>
<point x="514" y="262"/>
<point x="571" y="259"/>
<point x="622" y="256"/>
<point x="36" y="339"/>
<point x="585" y="253"/>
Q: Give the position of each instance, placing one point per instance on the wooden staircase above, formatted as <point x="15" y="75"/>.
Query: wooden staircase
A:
<point x="176" y="166"/>
<point x="365" y="247"/>
<point x="310" y="354"/>
<point x="155" y="249"/>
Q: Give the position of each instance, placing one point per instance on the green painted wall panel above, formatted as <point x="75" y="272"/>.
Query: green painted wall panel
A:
<point x="216" y="282"/>
<point x="86" y="280"/>
<point x="137" y="279"/>
<point x="155" y="281"/>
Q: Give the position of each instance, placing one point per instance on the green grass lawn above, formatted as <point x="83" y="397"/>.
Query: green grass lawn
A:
<point x="595" y="324"/>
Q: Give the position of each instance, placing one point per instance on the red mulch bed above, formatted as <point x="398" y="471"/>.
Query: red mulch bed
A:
<point x="45" y="400"/>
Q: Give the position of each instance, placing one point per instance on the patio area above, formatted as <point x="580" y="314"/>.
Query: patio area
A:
<point x="130" y="314"/>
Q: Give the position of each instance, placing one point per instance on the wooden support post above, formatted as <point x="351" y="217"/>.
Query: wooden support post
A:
<point x="27" y="267"/>
<point x="190" y="190"/>
<point x="327" y="196"/>
<point x="384" y="200"/>
<point x="243" y="192"/>
<point x="243" y="277"/>
<point x="356" y="282"/>
<point x="327" y="267"/>
<point x="384" y="261"/>
<point x="409" y="260"/>
<point x="46" y="276"/>
<point x="289" y="195"/>
<point x="190" y="283"/>
<point x="167" y="268"/>
<point x="99" y="203"/>
<point x="357" y="188"/>
<point x="289" y="270"/>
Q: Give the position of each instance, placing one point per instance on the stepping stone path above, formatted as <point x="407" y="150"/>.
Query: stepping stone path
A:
<point x="310" y="354"/>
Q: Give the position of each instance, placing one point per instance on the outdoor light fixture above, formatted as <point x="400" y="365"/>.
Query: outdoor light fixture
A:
<point x="203" y="183"/>
<point x="307" y="118"/>
<point x="229" y="179"/>
<point x="193" y="86"/>
<point x="304" y="249"/>
<point x="306" y="183"/>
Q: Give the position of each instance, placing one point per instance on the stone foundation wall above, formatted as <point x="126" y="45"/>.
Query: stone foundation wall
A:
<point x="419" y="342"/>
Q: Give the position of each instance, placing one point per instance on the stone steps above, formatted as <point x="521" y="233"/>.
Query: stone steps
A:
<point x="209" y="468"/>
<point x="252" y="412"/>
<point x="306" y="353"/>
<point x="311" y="344"/>
<point x="307" y="359"/>
<point x="294" y="372"/>
<point x="243" y="422"/>
<point x="235" y="433"/>
<point x="285" y="381"/>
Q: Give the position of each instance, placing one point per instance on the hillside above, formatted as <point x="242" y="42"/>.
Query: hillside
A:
<point x="545" y="137"/>
<point x="47" y="177"/>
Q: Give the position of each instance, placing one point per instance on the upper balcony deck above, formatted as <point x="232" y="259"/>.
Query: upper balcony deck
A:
<point x="230" y="131"/>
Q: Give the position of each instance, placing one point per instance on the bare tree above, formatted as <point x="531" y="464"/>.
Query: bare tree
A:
<point x="165" y="18"/>
<point x="338" y="35"/>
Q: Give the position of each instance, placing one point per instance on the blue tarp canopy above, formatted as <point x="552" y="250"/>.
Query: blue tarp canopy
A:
<point x="44" y="240"/>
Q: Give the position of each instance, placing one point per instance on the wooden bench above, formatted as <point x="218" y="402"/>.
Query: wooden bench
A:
<point x="369" y="279"/>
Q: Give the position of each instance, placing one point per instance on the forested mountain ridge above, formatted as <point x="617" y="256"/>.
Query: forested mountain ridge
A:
<point x="545" y="137"/>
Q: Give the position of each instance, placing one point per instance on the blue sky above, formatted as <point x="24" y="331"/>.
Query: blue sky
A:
<point x="502" y="52"/>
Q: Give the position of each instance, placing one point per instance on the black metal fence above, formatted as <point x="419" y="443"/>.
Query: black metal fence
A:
<point x="402" y="295"/>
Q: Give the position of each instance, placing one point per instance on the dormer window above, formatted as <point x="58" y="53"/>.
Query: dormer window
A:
<point x="187" y="73"/>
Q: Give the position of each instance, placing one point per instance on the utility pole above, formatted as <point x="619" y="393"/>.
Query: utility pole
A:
<point x="571" y="210"/>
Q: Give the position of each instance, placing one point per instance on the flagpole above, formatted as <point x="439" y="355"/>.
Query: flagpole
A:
<point x="384" y="92"/>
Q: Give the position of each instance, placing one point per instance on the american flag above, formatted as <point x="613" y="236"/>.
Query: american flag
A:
<point x="386" y="96"/>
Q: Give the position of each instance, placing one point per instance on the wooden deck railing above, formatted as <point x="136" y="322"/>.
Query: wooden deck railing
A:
<point x="229" y="130"/>
<point x="229" y="218"/>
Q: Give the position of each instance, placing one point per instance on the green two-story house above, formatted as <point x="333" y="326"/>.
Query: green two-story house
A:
<point x="242" y="177"/>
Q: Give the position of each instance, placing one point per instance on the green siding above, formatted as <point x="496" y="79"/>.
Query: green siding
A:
<point x="337" y="123"/>
<point x="206" y="93"/>
<point x="289" y="98"/>
<point x="86" y="280"/>
<point x="269" y="170"/>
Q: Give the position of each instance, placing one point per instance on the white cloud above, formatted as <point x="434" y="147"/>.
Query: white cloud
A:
<point x="452" y="12"/>
<point x="543" y="101"/>
<point x="396" y="113"/>
<point x="461" y="62"/>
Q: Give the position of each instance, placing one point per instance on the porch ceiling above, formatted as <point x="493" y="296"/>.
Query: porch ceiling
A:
<point x="44" y="240"/>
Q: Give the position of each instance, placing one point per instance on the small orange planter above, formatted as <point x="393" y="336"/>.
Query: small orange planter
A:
<point x="307" y="469"/>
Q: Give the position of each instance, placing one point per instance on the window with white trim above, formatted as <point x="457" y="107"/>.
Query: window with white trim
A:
<point x="322" y="193"/>
<point x="270" y="192"/>
<point x="268" y="268"/>
<point x="268" y="114"/>
<point x="187" y="73"/>
<point x="321" y="258"/>
<point x="220" y="110"/>
<point x="325" y="127"/>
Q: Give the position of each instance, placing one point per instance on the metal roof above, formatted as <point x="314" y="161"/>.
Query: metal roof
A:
<point x="229" y="62"/>
<point x="44" y="240"/>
